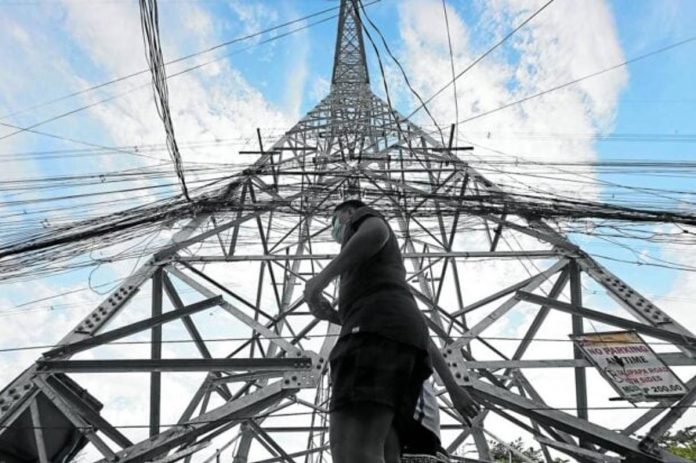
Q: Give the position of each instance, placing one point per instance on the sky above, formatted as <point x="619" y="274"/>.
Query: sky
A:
<point x="53" y="48"/>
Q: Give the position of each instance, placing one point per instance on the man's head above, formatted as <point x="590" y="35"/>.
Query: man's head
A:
<point x="341" y="217"/>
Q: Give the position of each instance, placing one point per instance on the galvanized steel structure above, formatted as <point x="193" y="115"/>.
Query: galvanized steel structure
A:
<point x="251" y="264"/>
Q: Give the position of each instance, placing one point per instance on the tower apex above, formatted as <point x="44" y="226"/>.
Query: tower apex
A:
<point x="350" y="66"/>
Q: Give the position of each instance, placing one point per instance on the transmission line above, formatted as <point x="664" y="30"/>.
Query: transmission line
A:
<point x="580" y="79"/>
<point x="176" y="60"/>
<point x="149" y="20"/>
<point x="480" y="58"/>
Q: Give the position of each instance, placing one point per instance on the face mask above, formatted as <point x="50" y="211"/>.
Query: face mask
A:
<point x="337" y="230"/>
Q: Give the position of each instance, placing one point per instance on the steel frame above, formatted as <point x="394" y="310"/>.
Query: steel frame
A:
<point x="352" y="144"/>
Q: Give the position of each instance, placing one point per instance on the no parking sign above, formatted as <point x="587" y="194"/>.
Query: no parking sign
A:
<point x="630" y="365"/>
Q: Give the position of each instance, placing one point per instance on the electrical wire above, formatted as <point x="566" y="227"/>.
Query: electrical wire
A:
<point x="451" y="55"/>
<point x="328" y="335"/>
<point x="207" y="50"/>
<point x="480" y="58"/>
<point x="149" y="20"/>
<point x="31" y="128"/>
<point x="580" y="79"/>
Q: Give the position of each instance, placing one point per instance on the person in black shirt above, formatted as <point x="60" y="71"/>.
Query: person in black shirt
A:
<point x="384" y="352"/>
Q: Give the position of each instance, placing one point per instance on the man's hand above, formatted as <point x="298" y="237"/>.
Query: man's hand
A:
<point x="464" y="404"/>
<point x="461" y="399"/>
<point x="318" y="305"/>
<point x="314" y="288"/>
<point x="323" y="311"/>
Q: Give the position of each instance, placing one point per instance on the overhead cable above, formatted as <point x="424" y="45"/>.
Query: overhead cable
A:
<point x="149" y="20"/>
<point x="580" y="79"/>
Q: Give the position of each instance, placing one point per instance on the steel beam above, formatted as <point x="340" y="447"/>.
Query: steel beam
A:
<point x="584" y="429"/>
<point x="38" y="432"/>
<point x="128" y="330"/>
<point x="531" y="254"/>
<point x="156" y="354"/>
<point x="578" y="329"/>
<point x="139" y="365"/>
<point x="677" y="338"/>
<point x="78" y="405"/>
<point x="235" y="312"/>
<point x="492" y="317"/>
<point x="235" y="411"/>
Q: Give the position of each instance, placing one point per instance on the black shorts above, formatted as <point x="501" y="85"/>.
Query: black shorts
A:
<point x="416" y="439"/>
<point x="367" y="367"/>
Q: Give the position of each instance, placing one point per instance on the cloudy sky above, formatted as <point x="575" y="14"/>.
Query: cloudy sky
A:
<point x="54" y="48"/>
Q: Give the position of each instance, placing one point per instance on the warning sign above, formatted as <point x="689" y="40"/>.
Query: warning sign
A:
<point x="630" y="365"/>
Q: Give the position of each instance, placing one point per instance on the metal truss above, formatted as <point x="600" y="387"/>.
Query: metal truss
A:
<point x="248" y="262"/>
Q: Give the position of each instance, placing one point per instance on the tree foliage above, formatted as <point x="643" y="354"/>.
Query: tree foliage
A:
<point x="501" y="454"/>
<point x="682" y="443"/>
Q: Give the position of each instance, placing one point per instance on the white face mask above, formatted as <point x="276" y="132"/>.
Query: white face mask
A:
<point x="337" y="230"/>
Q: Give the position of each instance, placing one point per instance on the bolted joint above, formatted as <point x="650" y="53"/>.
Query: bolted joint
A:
<point x="307" y="375"/>
<point x="457" y="365"/>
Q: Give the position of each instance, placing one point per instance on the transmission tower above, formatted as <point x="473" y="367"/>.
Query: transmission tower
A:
<point x="263" y="392"/>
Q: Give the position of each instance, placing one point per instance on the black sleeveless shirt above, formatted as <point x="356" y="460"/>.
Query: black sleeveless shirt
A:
<point x="374" y="296"/>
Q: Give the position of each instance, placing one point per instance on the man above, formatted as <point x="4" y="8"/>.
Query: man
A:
<point x="382" y="356"/>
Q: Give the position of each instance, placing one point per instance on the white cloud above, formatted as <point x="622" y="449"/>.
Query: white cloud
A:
<point x="205" y="107"/>
<point x="549" y="51"/>
<point x="214" y="104"/>
<point x="539" y="57"/>
<point x="254" y="15"/>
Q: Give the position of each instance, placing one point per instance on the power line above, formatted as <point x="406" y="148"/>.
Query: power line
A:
<point x="31" y="128"/>
<point x="481" y="406"/>
<point x="480" y="58"/>
<point x="575" y="81"/>
<point x="323" y="336"/>
<point x="451" y="55"/>
<point x="401" y="70"/>
<point x="177" y="60"/>
<point x="149" y="20"/>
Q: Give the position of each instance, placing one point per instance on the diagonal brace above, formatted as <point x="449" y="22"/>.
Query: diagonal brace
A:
<point x="70" y="349"/>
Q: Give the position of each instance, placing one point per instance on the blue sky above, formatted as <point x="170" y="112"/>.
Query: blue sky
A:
<point x="52" y="52"/>
<point x="54" y="47"/>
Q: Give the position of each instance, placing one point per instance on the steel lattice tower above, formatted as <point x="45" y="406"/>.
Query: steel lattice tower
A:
<point x="250" y="265"/>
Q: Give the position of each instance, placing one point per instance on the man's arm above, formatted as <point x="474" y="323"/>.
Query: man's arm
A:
<point x="462" y="401"/>
<point x="323" y="311"/>
<point x="370" y="237"/>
